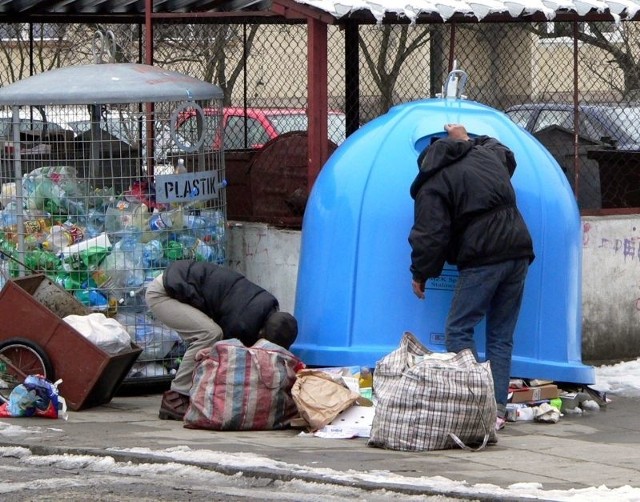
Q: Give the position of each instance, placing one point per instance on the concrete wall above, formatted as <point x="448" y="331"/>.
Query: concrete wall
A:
<point x="268" y="256"/>
<point x="611" y="288"/>
<point x="610" y="279"/>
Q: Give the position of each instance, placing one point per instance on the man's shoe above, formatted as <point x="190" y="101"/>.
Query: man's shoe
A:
<point x="174" y="406"/>
<point x="500" y="423"/>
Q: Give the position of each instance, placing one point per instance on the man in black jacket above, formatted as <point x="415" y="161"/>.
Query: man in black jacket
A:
<point x="465" y="214"/>
<point x="206" y="303"/>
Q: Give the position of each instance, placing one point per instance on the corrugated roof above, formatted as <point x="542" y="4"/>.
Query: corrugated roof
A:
<point x="412" y="10"/>
<point x="479" y="9"/>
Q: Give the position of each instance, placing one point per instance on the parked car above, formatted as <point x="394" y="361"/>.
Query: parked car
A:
<point x="128" y="131"/>
<point x="262" y="125"/>
<point x="618" y="124"/>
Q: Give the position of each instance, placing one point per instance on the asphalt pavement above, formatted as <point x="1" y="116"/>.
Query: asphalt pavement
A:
<point x="579" y="451"/>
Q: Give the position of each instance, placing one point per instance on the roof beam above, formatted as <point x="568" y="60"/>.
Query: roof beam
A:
<point x="294" y="10"/>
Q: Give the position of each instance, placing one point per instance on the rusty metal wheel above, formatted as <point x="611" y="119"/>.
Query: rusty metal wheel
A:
<point x="19" y="358"/>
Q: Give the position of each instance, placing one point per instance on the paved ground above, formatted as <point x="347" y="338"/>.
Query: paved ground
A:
<point x="597" y="448"/>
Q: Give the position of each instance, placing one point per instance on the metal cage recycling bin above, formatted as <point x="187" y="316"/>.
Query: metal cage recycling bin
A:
<point x="109" y="172"/>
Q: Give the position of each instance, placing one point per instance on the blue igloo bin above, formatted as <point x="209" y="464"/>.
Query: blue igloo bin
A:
<point x="354" y="298"/>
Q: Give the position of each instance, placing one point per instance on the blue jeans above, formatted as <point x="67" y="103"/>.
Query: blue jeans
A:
<point x="494" y="291"/>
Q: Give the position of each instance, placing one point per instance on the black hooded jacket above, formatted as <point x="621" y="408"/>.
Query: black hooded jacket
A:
<point x="237" y="305"/>
<point x="465" y="207"/>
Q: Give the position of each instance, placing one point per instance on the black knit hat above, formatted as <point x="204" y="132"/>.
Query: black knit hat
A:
<point x="281" y="328"/>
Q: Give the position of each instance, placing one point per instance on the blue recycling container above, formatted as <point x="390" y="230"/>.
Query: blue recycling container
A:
<point x="354" y="298"/>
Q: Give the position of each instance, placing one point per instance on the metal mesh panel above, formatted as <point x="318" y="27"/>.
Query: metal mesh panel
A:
<point x="102" y="198"/>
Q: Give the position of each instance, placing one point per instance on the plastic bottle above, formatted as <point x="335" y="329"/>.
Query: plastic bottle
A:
<point x="526" y="413"/>
<point x="57" y="239"/>
<point x="8" y="218"/>
<point x="92" y="298"/>
<point x="221" y="238"/>
<point x="74" y="208"/>
<point x="204" y="252"/>
<point x="124" y="213"/>
<point x="174" y="250"/>
<point x="152" y="253"/>
<point x="196" y="223"/>
<point x="76" y="233"/>
<point x="94" y="223"/>
<point x="181" y="168"/>
<point x="366" y="382"/>
<point x="130" y="237"/>
<point x="48" y="195"/>
<point x="172" y="219"/>
<point x="39" y="259"/>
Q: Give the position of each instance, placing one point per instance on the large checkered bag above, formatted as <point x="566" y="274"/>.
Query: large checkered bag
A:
<point x="242" y="388"/>
<point x="432" y="401"/>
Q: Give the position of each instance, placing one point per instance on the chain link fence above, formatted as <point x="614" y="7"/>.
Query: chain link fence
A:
<point x="533" y="71"/>
<point x="526" y="69"/>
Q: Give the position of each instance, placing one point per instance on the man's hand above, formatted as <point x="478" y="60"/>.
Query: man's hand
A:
<point x="418" y="288"/>
<point x="456" y="131"/>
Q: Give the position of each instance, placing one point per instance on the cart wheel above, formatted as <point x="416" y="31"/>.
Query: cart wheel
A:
<point x="18" y="359"/>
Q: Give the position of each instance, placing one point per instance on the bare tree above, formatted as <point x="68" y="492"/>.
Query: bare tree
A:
<point x="215" y="53"/>
<point x="619" y="41"/>
<point x="387" y="56"/>
<point x="50" y="49"/>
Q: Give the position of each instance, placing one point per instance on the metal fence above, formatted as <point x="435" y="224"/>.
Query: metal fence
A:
<point x="542" y="68"/>
<point x="551" y="78"/>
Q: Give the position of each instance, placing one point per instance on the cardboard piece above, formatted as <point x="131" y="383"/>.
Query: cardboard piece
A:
<point x="526" y="394"/>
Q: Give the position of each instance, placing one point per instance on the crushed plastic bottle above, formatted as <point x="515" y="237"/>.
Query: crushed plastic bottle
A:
<point x="153" y="253"/>
<point x="59" y="237"/>
<point x="165" y="220"/>
<point x="130" y="237"/>
<point x="94" y="223"/>
<point x="204" y="252"/>
<point x="125" y="214"/>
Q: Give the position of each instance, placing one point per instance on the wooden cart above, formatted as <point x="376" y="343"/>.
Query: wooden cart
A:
<point x="35" y="340"/>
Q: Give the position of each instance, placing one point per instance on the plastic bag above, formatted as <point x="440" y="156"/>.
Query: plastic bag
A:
<point x="103" y="331"/>
<point x="35" y="397"/>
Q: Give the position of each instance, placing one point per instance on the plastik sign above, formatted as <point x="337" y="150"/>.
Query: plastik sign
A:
<point x="187" y="186"/>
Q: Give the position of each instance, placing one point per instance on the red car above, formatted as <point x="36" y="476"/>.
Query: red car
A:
<point x="262" y="124"/>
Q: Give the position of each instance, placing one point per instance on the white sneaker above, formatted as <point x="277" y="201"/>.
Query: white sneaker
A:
<point x="500" y="422"/>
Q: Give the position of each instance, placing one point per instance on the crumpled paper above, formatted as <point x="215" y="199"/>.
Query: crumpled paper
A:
<point x="547" y="413"/>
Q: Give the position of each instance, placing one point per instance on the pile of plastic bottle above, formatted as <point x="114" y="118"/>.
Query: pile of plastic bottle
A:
<point x="104" y="248"/>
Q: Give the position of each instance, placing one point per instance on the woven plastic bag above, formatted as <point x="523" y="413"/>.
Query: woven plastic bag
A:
<point x="242" y="388"/>
<point x="432" y="401"/>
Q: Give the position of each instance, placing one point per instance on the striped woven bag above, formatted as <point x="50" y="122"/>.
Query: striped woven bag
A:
<point x="242" y="388"/>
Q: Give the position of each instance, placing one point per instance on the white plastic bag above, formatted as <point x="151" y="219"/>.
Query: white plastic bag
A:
<point x="103" y="331"/>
